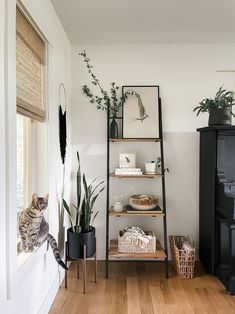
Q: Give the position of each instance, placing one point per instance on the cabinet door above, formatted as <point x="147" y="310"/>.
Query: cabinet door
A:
<point x="207" y="200"/>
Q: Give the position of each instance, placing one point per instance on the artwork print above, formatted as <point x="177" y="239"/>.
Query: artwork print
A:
<point x="127" y="160"/>
<point x="140" y="112"/>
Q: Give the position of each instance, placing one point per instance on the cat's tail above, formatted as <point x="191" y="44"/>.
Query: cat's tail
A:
<point x="55" y="250"/>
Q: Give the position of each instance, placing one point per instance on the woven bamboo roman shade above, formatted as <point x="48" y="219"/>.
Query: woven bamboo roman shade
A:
<point x="30" y="60"/>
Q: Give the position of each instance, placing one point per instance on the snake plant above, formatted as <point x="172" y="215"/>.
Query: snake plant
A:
<point x="84" y="217"/>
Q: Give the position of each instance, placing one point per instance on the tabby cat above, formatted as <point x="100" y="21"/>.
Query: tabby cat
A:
<point x="34" y="229"/>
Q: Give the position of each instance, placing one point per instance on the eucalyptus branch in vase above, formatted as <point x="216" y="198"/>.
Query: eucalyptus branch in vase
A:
<point x="104" y="100"/>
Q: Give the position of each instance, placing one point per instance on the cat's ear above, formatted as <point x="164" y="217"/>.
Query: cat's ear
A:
<point x="34" y="197"/>
<point x="45" y="198"/>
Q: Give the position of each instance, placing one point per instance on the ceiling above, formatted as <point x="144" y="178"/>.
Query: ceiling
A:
<point x="147" y="21"/>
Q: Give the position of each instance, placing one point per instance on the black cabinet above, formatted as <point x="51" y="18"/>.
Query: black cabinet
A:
<point x="217" y="203"/>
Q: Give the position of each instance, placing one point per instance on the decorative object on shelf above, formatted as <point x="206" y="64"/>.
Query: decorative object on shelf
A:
<point x="140" y="111"/>
<point x="118" y="207"/>
<point x="113" y="128"/>
<point x="127" y="160"/>
<point x="143" y="202"/>
<point x="155" y="211"/>
<point x="128" y="171"/>
<point x="154" y="166"/>
<point x="82" y="232"/>
<point x="183" y="256"/>
<point x="135" y="240"/>
<point x="219" y="108"/>
<point x="150" y="167"/>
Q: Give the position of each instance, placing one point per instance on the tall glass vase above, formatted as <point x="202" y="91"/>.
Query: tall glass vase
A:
<point x="113" y="128"/>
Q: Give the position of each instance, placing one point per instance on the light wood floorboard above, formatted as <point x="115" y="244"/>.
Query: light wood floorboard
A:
<point x="141" y="288"/>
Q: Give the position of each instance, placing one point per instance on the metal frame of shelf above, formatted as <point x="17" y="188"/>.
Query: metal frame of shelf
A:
<point x="161" y="215"/>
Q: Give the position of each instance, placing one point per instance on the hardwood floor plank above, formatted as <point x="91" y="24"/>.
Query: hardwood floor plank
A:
<point x="216" y="296"/>
<point x="158" y="302"/>
<point x="189" y="287"/>
<point x="144" y="291"/>
<point x="229" y="299"/>
<point x="207" y="302"/>
<point x="133" y="296"/>
<point x="167" y="292"/>
<point x="180" y="296"/>
<point x="121" y="294"/>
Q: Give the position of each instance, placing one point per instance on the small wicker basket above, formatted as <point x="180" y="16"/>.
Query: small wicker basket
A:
<point x="182" y="260"/>
<point x="135" y="245"/>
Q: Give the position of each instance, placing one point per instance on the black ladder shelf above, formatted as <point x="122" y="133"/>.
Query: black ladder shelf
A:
<point x="112" y="253"/>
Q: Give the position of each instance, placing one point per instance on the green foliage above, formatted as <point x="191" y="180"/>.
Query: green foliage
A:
<point x="75" y="227"/>
<point x="104" y="101"/>
<point x="84" y="207"/>
<point x="88" y="204"/>
<point x="223" y="99"/>
<point x="159" y="165"/>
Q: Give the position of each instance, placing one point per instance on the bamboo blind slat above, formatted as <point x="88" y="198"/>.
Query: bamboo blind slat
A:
<point x="27" y="33"/>
<point x="29" y="71"/>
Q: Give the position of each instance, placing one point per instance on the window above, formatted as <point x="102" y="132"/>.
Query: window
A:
<point x="25" y="160"/>
<point x="25" y="165"/>
<point x="20" y="163"/>
<point x="30" y="107"/>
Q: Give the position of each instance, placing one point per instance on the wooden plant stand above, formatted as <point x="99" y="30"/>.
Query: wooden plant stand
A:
<point x="68" y="259"/>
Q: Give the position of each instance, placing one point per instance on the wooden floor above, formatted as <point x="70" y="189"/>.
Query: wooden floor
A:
<point x="140" y="287"/>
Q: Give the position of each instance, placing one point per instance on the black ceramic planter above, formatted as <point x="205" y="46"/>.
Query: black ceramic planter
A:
<point x="220" y="116"/>
<point x="76" y="242"/>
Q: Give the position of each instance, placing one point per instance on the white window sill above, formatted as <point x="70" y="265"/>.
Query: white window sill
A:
<point x="23" y="257"/>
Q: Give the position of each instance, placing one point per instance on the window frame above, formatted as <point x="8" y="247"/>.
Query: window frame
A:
<point x="30" y="139"/>
<point x="15" y="275"/>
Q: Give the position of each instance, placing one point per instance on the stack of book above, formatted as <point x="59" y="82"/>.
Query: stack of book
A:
<point x="128" y="171"/>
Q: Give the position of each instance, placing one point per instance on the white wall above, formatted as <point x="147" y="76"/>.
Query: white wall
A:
<point x="32" y="287"/>
<point x="186" y="74"/>
<point x="2" y="154"/>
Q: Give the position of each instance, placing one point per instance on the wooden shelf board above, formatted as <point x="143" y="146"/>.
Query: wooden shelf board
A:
<point x="142" y="176"/>
<point x="154" y="139"/>
<point x="124" y="213"/>
<point x="114" y="254"/>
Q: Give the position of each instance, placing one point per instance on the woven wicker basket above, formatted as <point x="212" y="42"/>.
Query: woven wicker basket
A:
<point x="182" y="261"/>
<point x="136" y="246"/>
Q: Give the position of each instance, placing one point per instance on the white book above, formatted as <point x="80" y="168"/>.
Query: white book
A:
<point x="137" y="173"/>
<point x="128" y="169"/>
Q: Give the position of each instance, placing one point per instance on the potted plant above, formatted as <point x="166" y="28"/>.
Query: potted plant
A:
<point x="82" y="231"/>
<point x="154" y="166"/>
<point x="219" y="108"/>
<point x="104" y="100"/>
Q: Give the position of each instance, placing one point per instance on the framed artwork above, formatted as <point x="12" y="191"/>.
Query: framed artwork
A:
<point x="141" y="111"/>
<point x="127" y="160"/>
